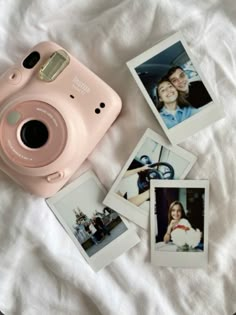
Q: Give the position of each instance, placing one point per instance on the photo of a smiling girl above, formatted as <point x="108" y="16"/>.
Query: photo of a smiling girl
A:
<point x="179" y="214"/>
<point x="175" y="214"/>
<point x="172" y="105"/>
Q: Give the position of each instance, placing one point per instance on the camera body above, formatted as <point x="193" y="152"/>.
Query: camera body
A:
<point x="53" y="112"/>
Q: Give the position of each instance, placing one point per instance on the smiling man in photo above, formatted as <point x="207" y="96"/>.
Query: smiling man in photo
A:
<point x="194" y="92"/>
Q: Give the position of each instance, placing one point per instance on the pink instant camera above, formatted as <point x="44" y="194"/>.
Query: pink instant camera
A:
<point x="53" y="112"/>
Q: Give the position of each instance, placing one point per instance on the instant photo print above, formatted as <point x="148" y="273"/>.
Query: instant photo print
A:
<point x="175" y="89"/>
<point x="153" y="158"/>
<point x="179" y="223"/>
<point x="99" y="232"/>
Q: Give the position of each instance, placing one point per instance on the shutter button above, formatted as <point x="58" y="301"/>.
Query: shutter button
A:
<point x="54" y="177"/>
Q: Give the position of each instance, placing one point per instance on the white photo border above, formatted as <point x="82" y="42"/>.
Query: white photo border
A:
<point x="179" y="259"/>
<point x="125" y="207"/>
<point x="209" y="114"/>
<point x="111" y="251"/>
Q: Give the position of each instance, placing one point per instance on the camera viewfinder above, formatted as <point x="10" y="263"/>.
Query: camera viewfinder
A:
<point x="31" y="60"/>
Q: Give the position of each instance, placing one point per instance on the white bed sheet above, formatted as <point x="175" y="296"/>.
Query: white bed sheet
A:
<point x="41" y="270"/>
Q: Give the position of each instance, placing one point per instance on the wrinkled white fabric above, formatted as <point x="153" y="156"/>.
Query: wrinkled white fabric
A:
<point x="41" y="271"/>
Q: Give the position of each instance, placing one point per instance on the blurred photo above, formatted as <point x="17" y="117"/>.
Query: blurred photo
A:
<point x="152" y="161"/>
<point x="153" y="158"/>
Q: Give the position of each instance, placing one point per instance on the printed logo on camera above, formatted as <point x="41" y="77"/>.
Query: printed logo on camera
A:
<point x="10" y="145"/>
<point x="80" y="86"/>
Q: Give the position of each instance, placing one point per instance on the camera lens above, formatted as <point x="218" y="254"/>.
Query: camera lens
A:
<point x="34" y="134"/>
<point x="31" y="60"/>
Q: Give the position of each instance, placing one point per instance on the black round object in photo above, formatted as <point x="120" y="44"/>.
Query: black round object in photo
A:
<point x="34" y="134"/>
<point x="145" y="177"/>
<point x="31" y="60"/>
<point x="160" y="170"/>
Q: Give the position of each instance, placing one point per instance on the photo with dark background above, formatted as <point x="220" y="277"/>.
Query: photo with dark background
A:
<point x="152" y="70"/>
<point x="192" y="200"/>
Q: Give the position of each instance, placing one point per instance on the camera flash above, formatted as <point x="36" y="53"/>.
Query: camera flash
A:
<point x="54" y="66"/>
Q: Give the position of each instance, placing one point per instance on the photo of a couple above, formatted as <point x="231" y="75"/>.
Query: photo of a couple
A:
<point x="174" y="85"/>
<point x="175" y="88"/>
<point x="177" y="98"/>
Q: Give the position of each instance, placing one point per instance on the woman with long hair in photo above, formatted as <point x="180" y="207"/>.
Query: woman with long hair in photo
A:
<point x="172" y="105"/>
<point x="175" y="214"/>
